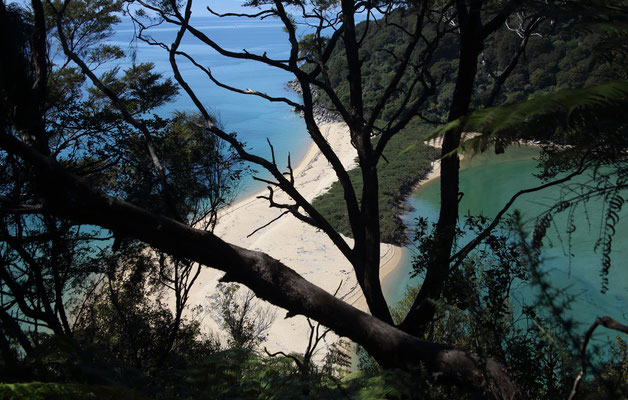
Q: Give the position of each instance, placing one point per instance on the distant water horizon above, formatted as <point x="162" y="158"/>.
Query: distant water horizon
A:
<point x="253" y="119"/>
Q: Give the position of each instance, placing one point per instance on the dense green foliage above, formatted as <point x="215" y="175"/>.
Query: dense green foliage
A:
<point x="553" y="60"/>
<point x="123" y="337"/>
<point x="558" y="58"/>
<point x="477" y="312"/>
<point x="545" y="101"/>
<point x="407" y="161"/>
<point x="68" y="391"/>
<point x="79" y="303"/>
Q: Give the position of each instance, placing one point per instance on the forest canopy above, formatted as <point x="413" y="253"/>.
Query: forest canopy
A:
<point x="108" y="209"/>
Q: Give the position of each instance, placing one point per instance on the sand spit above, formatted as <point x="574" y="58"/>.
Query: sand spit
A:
<point x="301" y="247"/>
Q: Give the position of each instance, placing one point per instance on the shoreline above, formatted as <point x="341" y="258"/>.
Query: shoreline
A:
<point x="309" y="155"/>
<point x="435" y="172"/>
<point x="301" y="247"/>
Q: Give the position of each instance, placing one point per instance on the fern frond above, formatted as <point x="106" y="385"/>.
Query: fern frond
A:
<point x="615" y="201"/>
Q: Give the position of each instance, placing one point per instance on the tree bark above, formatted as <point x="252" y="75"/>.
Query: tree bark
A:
<point x="423" y="308"/>
<point x="69" y="196"/>
<point x="367" y="243"/>
<point x="366" y="233"/>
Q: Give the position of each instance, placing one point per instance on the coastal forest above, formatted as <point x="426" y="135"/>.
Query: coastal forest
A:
<point x="110" y="207"/>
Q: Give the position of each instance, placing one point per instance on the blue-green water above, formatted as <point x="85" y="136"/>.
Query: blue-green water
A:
<point x="488" y="182"/>
<point x="252" y="118"/>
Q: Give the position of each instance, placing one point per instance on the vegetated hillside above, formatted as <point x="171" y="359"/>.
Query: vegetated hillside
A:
<point x="559" y="58"/>
<point x="407" y="161"/>
<point x="553" y="60"/>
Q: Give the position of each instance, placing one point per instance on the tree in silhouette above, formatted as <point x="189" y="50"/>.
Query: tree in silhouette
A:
<point x="70" y="195"/>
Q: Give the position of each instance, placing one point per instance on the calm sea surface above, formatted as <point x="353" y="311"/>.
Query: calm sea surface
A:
<point x="252" y="118"/>
<point x="487" y="181"/>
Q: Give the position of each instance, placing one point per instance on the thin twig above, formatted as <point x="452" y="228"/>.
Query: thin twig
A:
<point x="272" y="151"/>
<point x="265" y="181"/>
<point x="281" y="353"/>
<point x="291" y="173"/>
<point x="265" y="225"/>
<point x="460" y="255"/>
<point x="607" y="322"/>
<point x="263" y="14"/>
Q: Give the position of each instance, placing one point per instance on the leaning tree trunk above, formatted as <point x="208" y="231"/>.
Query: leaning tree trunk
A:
<point x="71" y="197"/>
<point x="472" y="36"/>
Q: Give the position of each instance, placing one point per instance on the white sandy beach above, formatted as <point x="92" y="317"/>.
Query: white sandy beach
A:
<point x="298" y="245"/>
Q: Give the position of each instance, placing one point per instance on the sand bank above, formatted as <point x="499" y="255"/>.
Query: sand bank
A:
<point x="298" y="245"/>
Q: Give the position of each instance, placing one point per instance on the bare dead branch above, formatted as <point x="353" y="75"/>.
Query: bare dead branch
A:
<point x="525" y="34"/>
<point x="265" y="225"/>
<point x="262" y="14"/>
<point x="282" y="182"/>
<point x="290" y="171"/>
<point x="281" y="353"/>
<point x="266" y="181"/>
<point x="292" y="208"/>
<point x="606" y="322"/>
<point x="22" y="209"/>
<point x="247" y="91"/>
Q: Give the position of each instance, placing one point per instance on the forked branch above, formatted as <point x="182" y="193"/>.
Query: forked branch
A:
<point x="606" y="322"/>
<point x="284" y="183"/>
<point x="72" y="197"/>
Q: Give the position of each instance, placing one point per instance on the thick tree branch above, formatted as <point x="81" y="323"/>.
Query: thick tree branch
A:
<point x="291" y="208"/>
<point x="18" y="209"/>
<point x="247" y="91"/>
<point x="356" y="107"/>
<point x="471" y="38"/>
<point x="262" y="14"/>
<point x="312" y="127"/>
<point x="244" y="55"/>
<point x="71" y="197"/>
<point x="284" y="183"/>
<point x="210" y="75"/>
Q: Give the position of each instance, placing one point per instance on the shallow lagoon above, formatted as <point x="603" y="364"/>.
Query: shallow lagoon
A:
<point x="488" y="181"/>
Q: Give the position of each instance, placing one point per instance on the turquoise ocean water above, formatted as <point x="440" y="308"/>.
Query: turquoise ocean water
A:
<point x="488" y="181"/>
<point x="252" y="118"/>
